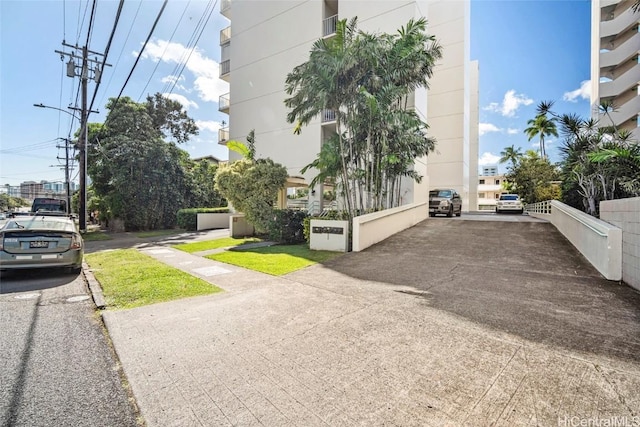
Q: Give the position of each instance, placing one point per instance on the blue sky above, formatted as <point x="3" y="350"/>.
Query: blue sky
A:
<point x="528" y="51"/>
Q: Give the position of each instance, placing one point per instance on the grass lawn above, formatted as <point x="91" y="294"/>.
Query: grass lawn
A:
<point x="223" y="242"/>
<point x="132" y="279"/>
<point x="93" y="236"/>
<point x="275" y="260"/>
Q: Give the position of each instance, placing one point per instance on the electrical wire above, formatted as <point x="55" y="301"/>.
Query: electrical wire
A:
<point x="115" y="67"/>
<point x="164" y="4"/>
<point x="106" y="54"/>
<point x="164" y="51"/>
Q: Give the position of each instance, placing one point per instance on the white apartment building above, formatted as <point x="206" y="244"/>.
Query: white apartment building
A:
<point x="266" y="39"/>
<point x="615" y="71"/>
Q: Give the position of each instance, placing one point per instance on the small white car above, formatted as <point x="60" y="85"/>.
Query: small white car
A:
<point x="509" y="203"/>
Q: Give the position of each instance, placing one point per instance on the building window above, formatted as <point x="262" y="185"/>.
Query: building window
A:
<point x="481" y="195"/>
<point x="482" y="181"/>
<point x="497" y="196"/>
<point x="497" y="182"/>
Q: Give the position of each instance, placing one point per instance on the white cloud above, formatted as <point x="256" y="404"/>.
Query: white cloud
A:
<point x="186" y="103"/>
<point x="487" y="127"/>
<point x="205" y="70"/>
<point x="510" y="103"/>
<point x="584" y="92"/>
<point x="488" y="159"/>
<point x="173" y="80"/>
<point x="512" y="131"/>
<point x="209" y="125"/>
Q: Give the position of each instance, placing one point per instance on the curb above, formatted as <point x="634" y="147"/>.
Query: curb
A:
<point x="94" y="287"/>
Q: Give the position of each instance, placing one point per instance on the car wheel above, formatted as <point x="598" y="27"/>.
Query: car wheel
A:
<point x="74" y="270"/>
<point x="459" y="212"/>
<point x="521" y="211"/>
<point x="450" y="213"/>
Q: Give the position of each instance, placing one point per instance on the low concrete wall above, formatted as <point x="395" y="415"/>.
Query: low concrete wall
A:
<point x="239" y="226"/>
<point x="375" y="227"/>
<point x="625" y="214"/>
<point x="208" y="221"/>
<point x="599" y="241"/>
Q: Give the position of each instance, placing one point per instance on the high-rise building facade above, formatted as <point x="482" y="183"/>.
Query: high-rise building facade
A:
<point x="615" y="71"/>
<point x="266" y="39"/>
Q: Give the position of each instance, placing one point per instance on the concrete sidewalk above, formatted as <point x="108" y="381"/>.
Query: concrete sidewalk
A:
<point x="405" y="333"/>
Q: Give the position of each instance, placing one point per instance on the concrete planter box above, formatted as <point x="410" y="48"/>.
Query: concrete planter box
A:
<point x="239" y="226"/>
<point x="329" y="235"/>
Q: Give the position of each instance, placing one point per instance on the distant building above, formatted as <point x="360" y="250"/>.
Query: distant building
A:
<point x="489" y="190"/>
<point x="29" y="190"/>
<point x="489" y="170"/>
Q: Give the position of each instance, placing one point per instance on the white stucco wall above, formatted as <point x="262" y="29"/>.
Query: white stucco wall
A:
<point x="625" y="214"/>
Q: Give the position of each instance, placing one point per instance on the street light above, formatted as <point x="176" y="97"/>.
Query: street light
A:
<point x="83" y="165"/>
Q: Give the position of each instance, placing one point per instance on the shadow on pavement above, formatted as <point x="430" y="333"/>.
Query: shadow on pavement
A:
<point x="522" y="278"/>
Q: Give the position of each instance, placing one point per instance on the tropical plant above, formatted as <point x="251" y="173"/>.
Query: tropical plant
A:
<point x="366" y="80"/>
<point x="534" y="178"/>
<point x="512" y="155"/>
<point x="541" y="126"/>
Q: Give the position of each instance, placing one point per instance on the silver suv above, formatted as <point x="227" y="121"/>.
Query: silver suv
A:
<point x="445" y="201"/>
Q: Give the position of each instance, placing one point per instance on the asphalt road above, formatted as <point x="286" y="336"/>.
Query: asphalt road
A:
<point x="56" y="366"/>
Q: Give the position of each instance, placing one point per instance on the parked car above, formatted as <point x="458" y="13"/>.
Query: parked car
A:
<point x="445" y="201"/>
<point x="41" y="242"/>
<point x="509" y="203"/>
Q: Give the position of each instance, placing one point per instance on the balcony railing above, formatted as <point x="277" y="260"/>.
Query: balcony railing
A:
<point x="223" y="135"/>
<point x="223" y="103"/>
<point x="225" y="67"/>
<point x="225" y="35"/>
<point x="329" y="25"/>
<point x="225" y="8"/>
<point x="328" y="116"/>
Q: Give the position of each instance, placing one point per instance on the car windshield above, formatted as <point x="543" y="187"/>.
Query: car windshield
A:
<point x="441" y="193"/>
<point x="40" y="224"/>
<point x="509" y="197"/>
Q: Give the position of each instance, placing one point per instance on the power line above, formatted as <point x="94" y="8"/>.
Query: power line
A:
<point x="164" y="4"/>
<point x="106" y="53"/>
<point x="165" y="51"/>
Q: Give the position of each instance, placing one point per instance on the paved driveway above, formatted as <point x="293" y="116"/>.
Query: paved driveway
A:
<point x="448" y="323"/>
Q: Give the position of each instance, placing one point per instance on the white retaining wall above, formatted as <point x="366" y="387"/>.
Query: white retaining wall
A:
<point x="599" y="241"/>
<point x="625" y="214"/>
<point x="375" y="227"/>
<point x="209" y="221"/>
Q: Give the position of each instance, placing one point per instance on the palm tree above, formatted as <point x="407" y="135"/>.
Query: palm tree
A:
<point x="541" y="126"/>
<point x="366" y="80"/>
<point x="511" y="154"/>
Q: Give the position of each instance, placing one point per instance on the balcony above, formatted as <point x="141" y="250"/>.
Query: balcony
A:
<point x="223" y="135"/>
<point x="225" y="8"/>
<point x="225" y="36"/>
<point x="328" y="116"/>
<point x="225" y="68"/>
<point x="329" y="26"/>
<point x="223" y="103"/>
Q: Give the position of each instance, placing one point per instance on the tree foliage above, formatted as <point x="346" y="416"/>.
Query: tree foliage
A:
<point x="138" y="176"/>
<point x="252" y="186"/>
<point x="366" y="80"/>
<point x="533" y="178"/>
<point x="8" y="202"/>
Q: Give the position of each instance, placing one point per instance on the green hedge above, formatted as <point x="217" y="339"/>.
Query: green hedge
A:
<point x="188" y="218"/>
<point x="286" y="226"/>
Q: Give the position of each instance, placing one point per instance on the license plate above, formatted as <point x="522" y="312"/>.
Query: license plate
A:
<point x="39" y="244"/>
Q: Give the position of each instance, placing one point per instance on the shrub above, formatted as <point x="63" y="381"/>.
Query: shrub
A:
<point x="188" y="218"/>
<point x="286" y="226"/>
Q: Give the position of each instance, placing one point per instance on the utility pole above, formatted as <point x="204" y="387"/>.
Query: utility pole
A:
<point x="85" y="67"/>
<point x="67" y="176"/>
